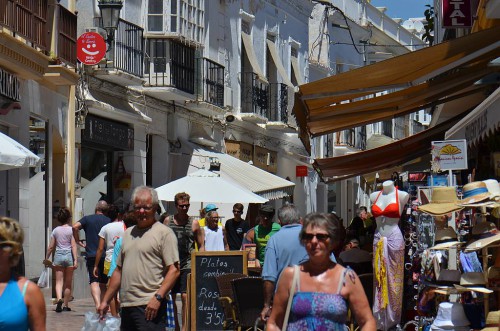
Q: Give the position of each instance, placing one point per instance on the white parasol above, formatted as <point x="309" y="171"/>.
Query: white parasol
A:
<point x="13" y="155"/>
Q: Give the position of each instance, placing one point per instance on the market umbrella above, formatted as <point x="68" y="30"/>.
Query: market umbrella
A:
<point x="206" y="186"/>
<point x="14" y="155"/>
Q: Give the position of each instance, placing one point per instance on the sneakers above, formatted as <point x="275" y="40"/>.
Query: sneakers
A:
<point x="66" y="309"/>
<point x="59" y="306"/>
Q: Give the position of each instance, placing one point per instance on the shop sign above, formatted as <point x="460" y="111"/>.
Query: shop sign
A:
<point x="449" y="155"/>
<point x="240" y="150"/>
<point x="300" y="171"/>
<point x="91" y="48"/>
<point x="9" y="85"/>
<point x="108" y="133"/>
<point x="456" y="14"/>
<point x="265" y="159"/>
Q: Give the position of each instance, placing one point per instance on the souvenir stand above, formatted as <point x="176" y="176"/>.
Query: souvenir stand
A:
<point x="443" y="262"/>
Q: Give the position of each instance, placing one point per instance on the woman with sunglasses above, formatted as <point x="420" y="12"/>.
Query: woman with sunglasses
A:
<point x="22" y="305"/>
<point x="323" y="290"/>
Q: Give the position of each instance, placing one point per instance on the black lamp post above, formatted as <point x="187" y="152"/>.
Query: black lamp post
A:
<point x="110" y="14"/>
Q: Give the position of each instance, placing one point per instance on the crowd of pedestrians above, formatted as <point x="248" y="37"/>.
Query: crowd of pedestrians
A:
<point x="137" y="259"/>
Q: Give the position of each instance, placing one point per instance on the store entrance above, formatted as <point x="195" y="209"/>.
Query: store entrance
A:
<point x="96" y="178"/>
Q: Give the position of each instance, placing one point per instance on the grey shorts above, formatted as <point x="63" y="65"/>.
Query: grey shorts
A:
<point x="63" y="258"/>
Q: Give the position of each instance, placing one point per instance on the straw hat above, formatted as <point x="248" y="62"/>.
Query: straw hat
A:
<point x="474" y="194"/>
<point x="492" y="321"/>
<point x="445" y="238"/>
<point x="450" y="316"/>
<point x="493" y="188"/>
<point x="473" y="281"/>
<point x="444" y="201"/>
<point x="485" y="233"/>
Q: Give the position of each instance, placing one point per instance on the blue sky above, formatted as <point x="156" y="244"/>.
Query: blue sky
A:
<point x="403" y="8"/>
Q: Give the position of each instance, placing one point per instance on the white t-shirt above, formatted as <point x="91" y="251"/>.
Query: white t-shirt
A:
<point x="214" y="239"/>
<point x="110" y="233"/>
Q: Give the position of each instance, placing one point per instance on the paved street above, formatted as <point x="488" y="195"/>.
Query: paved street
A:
<point x="70" y="320"/>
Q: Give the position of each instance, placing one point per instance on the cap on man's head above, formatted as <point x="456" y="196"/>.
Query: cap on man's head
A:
<point x="210" y="207"/>
<point x="267" y="209"/>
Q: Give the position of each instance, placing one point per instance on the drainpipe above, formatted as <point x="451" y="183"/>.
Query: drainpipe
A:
<point x="70" y="149"/>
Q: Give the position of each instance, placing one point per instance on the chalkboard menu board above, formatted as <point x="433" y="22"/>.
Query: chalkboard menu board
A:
<point x="206" y="312"/>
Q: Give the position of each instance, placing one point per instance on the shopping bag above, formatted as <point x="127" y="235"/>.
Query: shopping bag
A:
<point x="93" y="323"/>
<point x="43" y="280"/>
<point x="170" y="313"/>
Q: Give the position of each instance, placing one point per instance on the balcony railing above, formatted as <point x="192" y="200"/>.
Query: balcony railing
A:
<point x="212" y="82"/>
<point x="254" y="95"/>
<point x="169" y="63"/>
<point x="354" y="137"/>
<point x="26" y="18"/>
<point x="278" y="102"/>
<point x="66" y="42"/>
<point x="129" y="54"/>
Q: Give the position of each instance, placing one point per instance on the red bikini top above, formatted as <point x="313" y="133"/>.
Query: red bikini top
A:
<point x="391" y="210"/>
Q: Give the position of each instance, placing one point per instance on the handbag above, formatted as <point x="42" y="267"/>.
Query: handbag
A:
<point x="295" y="281"/>
<point x="43" y="280"/>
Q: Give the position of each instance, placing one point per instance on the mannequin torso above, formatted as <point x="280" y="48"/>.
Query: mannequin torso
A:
<point x="389" y="201"/>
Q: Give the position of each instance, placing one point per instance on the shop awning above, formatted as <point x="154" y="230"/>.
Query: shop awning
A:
<point x="461" y="59"/>
<point x="483" y="120"/>
<point x="277" y="61"/>
<point x="384" y="157"/>
<point x="258" y="181"/>
<point x="252" y="58"/>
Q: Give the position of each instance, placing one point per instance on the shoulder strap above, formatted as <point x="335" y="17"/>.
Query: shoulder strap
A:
<point x="25" y="286"/>
<point x="296" y="272"/>
<point x="342" y="280"/>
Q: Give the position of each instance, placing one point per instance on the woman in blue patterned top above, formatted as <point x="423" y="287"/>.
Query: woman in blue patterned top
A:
<point x="324" y="290"/>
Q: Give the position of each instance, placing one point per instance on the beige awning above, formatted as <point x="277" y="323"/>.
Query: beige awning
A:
<point x="277" y="61"/>
<point x="248" y="43"/>
<point x="296" y="70"/>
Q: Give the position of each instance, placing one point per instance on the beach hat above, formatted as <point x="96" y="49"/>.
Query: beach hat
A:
<point x="210" y="207"/>
<point x="485" y="233"/>
<point x="492" y="321"/>
<point x="493" y="188"/>
<point x="473" y="281"/>
<point x="450" y="316"/>
<point x="475" y="193"/>
<point x="445" y="238"/>
<point x="444" y="200"/>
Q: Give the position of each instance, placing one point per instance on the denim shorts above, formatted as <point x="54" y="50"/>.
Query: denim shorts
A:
<point x="63" y="258"/>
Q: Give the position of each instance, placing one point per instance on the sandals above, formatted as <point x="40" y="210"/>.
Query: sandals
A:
<point x="59" y="306"/>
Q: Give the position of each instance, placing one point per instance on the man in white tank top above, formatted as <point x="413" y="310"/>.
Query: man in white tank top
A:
<point x="215" y="235"/>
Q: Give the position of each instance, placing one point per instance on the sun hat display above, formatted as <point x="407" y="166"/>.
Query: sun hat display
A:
<point x="474" y="193"/>
<point x="444" y="200"/>
<point x="492" y="321"/>
<point x="450" y="316"/>
<point x="493" y="188"/>
<point x="485" y="233"/>
<point x="445" y="238"/>
<point x="473" y="281"/>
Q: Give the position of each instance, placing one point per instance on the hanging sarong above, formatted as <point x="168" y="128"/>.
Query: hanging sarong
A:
<point x="388" y="278"/>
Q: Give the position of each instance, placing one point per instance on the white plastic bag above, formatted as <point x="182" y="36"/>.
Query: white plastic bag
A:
<point x="92" y="323"/>
<point x="43" y="281"/>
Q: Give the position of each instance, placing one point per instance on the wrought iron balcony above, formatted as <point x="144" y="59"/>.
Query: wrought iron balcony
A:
<point x="170" y="63"/>
<point x="26" y="18"/>
<point x="211" y="88"/>
<point x="129" y="53"/>
<point x="66" y="38"/>
<point x="354" y="137"/>
<point x="278" y="102"/>
<point x="254" y="95"/>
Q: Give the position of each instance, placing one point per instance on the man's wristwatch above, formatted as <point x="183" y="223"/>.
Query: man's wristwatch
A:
<point x="158" y="297"/>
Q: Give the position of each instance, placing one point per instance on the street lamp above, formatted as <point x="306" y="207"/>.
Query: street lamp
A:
<point x="110" y="14"/>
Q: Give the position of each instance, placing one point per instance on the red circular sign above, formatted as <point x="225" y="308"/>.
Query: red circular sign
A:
<point x="91" y="48"/>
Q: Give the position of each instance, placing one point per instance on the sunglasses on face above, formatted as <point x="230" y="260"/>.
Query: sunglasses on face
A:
<point x="186" y="206"/>
<point x="237" y="211"/>
<point x="319" y="236"/>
